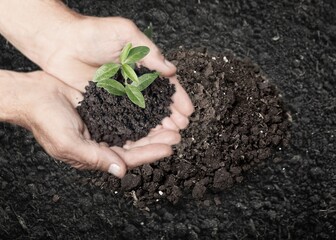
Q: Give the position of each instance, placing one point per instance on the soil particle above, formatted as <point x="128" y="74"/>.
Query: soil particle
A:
<point x="130" y="181"/>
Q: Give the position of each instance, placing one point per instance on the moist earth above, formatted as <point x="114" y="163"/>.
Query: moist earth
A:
<point x="239" y="119"/>
<point x="115" y="119"/>
<point x="294" y="44"/>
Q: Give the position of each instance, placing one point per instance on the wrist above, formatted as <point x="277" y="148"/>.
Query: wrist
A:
<point x="19" y="92"/>
<point x="35" y="27"/>
<point x="9" y="100"/>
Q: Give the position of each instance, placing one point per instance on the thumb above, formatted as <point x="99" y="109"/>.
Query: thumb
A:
<point x="154" y="60"/>
<point x="90" y="155"/>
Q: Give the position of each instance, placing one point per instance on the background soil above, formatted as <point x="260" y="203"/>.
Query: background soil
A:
<point x="293" y="42"/>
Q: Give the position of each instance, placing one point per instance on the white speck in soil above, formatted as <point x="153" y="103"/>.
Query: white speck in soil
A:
<point x="276" y="38"/>
<point x="225" y="59"/>
<point x="213" y="58"/>
<point x="161" y="193"/>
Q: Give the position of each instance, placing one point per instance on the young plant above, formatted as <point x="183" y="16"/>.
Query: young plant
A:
<point x="133" y="85"/>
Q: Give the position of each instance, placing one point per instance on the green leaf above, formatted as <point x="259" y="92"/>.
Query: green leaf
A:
<point x="125" y="52"/>
<point x="137" y="54"/>
<point x="132" y="65"/>
<point x="149" y="31"/>
<point x="146" y="80"/>
<point x="106" y="71"/>
<point x="135" y="96"/>
<point x="130" y="73"/>
<point x="113" y="87"/>
<point x="124" y="74"/>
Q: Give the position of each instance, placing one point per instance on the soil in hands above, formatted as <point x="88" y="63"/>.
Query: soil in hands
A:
<point x="115" y="119"/>
<point x="239" y="120"/>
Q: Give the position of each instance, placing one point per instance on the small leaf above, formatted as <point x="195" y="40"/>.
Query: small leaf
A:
<point x="124" y="74"/>
<point x="106" y="71"/>
<point x="149" y="31"/>
<point x="137" y="54"/>
<point x="130" y="73"/>
<point x="132" y="65"/>
<point x="135" y="96"/>
<point x="125" y="52"/>
<point x="146" y="80"/>
<point x="113" y="87"/>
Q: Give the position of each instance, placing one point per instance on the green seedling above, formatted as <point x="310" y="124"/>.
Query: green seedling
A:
<point x="133" y="85"/>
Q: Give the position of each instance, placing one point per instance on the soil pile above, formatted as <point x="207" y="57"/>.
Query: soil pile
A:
<point x="238" y="121"/>
<point x="115" y="119"/>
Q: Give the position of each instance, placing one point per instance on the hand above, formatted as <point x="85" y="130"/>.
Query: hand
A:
<point x="46" y="107"/>
<point x="71" y="47"/>
<point x="89" y="42"/>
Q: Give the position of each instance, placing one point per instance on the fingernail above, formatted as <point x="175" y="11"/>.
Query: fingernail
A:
<point x="114" y="169"/>
<point x="169" y="64"/>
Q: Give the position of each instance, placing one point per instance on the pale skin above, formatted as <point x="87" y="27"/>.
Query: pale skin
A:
<point x="69" y="47"/>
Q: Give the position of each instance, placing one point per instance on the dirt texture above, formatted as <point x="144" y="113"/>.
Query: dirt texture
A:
<point x="239" y="119"/>
<point x="115" y="119"/>
<point x="289" y="196"/>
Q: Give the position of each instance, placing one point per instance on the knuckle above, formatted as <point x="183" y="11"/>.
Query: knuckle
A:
<point x="94" y="161"/>
<point x="177" y="138"/>
<point x="62" y="149"/>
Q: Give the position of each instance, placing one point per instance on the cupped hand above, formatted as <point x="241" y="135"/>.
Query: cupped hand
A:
<point x="46" y="107"/>
<point x="85" y="43"/>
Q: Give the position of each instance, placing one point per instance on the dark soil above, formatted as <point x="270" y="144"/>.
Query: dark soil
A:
<point x="294" y="44"/>
<point x="115" y="119"/>
<point x="238" y="120"/>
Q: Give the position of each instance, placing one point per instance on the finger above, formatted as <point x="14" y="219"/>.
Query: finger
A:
<point x="168" y="123"/>
<point x="104" y="144"/>
<point x="86" y="133"/>
<point x="147" y="154"/>
<point x="179" y="119"/>
<point x="74" y="96"/>
<point x="153" y="131"/>
<point x="158" y="127"/>
<point x="164" y="137"/>
<point x="97" y="157"/>
<point x="154" y="60"/>
<point x="84" y="74"/>
<point x="181" y="100"/>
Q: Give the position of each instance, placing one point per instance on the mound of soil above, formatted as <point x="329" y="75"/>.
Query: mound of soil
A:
<point x="239" y="119"/>
<point x="115" y="119"/>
